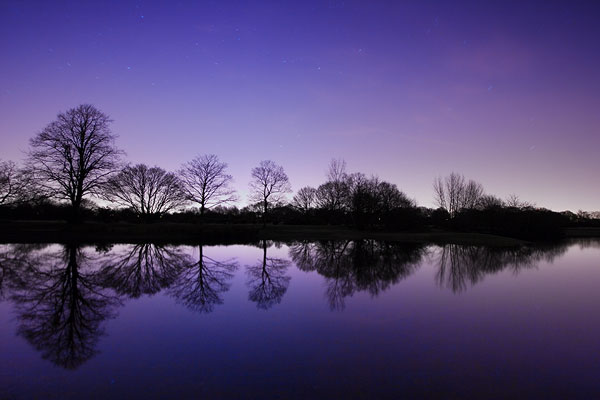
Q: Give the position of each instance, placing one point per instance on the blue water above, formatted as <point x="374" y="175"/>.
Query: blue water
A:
<point x="305" y="320"/>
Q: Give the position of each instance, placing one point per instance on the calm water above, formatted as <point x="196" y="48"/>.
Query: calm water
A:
<point x="328" y="319"/>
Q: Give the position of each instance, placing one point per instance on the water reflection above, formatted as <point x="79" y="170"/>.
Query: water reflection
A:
<point x="139" y="269"/>
<point x="267" y="279"/>
<point x="353" y="266"/>
<point x="63" y="294"/>
<point x="459" y="266"/>
<point x="60" y="305"/>
<point x="201" y="285"/>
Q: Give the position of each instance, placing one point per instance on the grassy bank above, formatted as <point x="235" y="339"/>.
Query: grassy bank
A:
<point x="57" y="231"/>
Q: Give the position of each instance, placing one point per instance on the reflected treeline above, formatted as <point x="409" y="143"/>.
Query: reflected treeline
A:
<point x="15" y="263"/>
<point x="460" y="266"/>
<point x="267" y="279"/>
<point x="200" y="285"/>
<point x="354" y="266"/>
<point x="63" y="293"/>
<point x="61" y="304"/>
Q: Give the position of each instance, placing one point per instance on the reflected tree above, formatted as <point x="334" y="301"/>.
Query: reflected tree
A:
<point x="267" y="280"/>
<point x="354" y="266"/>
<point x="201" y="285"/>
<point x="61" y="305"/>
<point x="140" y="269"/>
<point x="459" y="266"/>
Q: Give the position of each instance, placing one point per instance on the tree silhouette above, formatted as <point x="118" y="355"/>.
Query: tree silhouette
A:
<point x="453" y="193"/>
<point x="267" y="280"/>
<point x="10" y="185"/>
<point x="354" y="266"/>
<point x="143" y="268"/>
<point x="269" y="185"/>
<point x="61" y="306"/>
<point x="305" y="199"/>
<point x="461" y="266"/>
<point x="334" y="195"/>
<point x="148" y="191"/>
<point x="206" y="182"/>
<point x="200" y="286"/>
<point x="73" y="156"/>
<point x="373" y="200"/>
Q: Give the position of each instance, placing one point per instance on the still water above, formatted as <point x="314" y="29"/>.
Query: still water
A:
<point x="362" y="319"/>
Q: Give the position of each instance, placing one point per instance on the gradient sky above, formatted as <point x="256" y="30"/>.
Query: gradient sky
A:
<point x="507" y="94"/>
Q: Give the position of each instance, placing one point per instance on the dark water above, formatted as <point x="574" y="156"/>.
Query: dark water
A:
<point x="329" y="319"/>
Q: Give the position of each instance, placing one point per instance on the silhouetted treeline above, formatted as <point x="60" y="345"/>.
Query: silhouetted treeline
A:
<point x="75" y="172"/>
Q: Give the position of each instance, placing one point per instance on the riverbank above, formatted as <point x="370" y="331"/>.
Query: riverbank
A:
<point x="91" y="232"/>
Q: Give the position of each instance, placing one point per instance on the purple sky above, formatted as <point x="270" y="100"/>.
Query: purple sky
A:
<point x="506" y="94"/>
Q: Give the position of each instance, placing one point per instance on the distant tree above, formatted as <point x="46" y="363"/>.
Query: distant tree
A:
<point x="305" y="199"/>
<point x="488" y="201"/>
<point x="10" y="183"/>
<point x="513" y="200"/>
<point x="328" y="196"/>
<point x="390" y="197"/>
<point x="336" y="172"/>
<point x="471" y="196"/>
<point x="148" y="191"/>
<point x="269" y="185"/>
<point x="73" y="156"/>
<point x="454" y="193"/>
<point x="373" y="199"/>
<point x="334" y="195"/>
<point x="206" y="182"/>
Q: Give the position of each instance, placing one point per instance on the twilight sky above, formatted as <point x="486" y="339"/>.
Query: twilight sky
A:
<point x="507" y="94"/>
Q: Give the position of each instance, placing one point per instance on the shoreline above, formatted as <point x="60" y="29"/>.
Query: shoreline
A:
<point x="187" y="233"/>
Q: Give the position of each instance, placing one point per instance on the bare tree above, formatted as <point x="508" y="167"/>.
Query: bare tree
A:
<point x="73" y="156"/>
<point x="471" y="196"/>
<point x="490" y="201"/>
<point x="9" y="185"/>
<point x="206" y="182"/>
<point x="453" y="193"/>
<point x="149" y="191"/>
<point x="16" y="185"/>
<point x="336" y="172"/>
<point x="336" y="192"/>
<point x="514" y="200"/>
<point x="305" y="199"/>
<point x="269" y="185"/>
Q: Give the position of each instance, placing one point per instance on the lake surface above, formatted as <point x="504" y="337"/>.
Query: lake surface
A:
<point x="362" y="319"/>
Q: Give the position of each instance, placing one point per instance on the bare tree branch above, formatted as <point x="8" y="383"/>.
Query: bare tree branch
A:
<point x="206" y="182"/>
<point x="73" y="156"/>
<point x="147" y="191"/>
<point x="269" y="185"/>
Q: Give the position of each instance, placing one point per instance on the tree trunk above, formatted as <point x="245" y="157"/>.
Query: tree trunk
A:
<point x="266" y="204"/>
